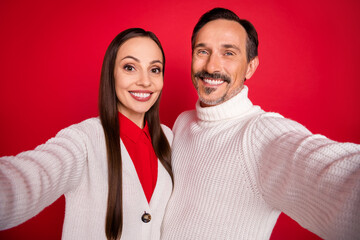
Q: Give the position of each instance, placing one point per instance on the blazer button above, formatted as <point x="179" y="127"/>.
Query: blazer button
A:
<point x="146" y="217"/>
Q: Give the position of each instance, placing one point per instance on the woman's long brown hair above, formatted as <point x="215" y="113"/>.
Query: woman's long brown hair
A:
<point x="109" y="119"/>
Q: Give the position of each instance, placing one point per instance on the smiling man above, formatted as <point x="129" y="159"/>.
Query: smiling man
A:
<point x="237" y="167"/>
<point x="219" y="64"/>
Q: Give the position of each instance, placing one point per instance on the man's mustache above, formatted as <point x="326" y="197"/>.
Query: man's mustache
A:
<point x="204" y="74"/>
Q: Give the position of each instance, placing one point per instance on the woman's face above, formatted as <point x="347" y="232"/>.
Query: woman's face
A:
<point x="138" y="77"/>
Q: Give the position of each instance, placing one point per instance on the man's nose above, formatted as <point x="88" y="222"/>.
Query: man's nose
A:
<point x="213" y="64"/>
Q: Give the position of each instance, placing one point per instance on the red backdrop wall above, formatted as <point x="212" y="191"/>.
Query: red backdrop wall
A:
<point x="51" y="54"/>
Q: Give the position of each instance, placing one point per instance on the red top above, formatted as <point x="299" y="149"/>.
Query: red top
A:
<point x="137" y="142"/>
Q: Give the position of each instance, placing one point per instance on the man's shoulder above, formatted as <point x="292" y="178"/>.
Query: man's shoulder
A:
<point x="275" y="122"/>
<point x="187" y="114"/>
<point x="269" y="115"/>
<point x="184" y="118"/>
<point x="168" y="133"/>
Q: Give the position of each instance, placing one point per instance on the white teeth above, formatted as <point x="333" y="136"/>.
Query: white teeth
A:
<point x="214" y="82"/>
<point x="140" y="95"/>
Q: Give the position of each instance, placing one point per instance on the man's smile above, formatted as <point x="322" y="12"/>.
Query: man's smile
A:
<point x="213" y="82"/>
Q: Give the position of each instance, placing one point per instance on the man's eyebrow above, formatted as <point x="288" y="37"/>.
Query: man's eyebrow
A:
<point x="231" y="46"/>
<point x="134" y="58"/>
<point x="199" y="45"/>
<point x="223" y="45"/>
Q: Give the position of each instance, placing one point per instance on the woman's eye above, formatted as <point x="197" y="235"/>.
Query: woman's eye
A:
<point x="156" y="70"/>
<point x="129" y="68"/>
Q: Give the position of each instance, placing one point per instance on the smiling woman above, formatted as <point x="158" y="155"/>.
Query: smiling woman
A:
<point x="114" y="170"/>
<point x="138" y="77"/>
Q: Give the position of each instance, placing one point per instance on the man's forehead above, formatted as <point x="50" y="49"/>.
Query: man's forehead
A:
<point x="222" y="32"/>
<point x="222" y="45"/>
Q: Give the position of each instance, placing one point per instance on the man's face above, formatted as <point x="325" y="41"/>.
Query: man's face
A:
<point x="219" y="65"/>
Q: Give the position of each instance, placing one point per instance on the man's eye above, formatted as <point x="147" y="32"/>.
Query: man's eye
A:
<point x="229" y="53"/>
<point x="129" y="68"/>
<point x="202" y="52"/>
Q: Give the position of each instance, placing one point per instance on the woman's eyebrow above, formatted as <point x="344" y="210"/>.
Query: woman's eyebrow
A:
<point x="137" y="60"/>
<point x="156" y="61"/>
<point x="134" y="58"/>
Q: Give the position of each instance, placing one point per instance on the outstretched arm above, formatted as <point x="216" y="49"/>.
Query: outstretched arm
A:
<point x="33" y="180"/>
<point x="314" y="180"/>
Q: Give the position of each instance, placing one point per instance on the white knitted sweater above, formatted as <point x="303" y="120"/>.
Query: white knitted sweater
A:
<point x="74" y="163"/>
<point x="236" y="168"/>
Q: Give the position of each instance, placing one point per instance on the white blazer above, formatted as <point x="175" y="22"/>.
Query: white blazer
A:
<point x="74" y="163"/>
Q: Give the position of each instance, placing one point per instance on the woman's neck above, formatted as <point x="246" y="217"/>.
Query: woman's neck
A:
<point x="137" y="118"/>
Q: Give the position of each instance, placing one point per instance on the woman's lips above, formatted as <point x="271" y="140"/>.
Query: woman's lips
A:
<point x="141" y="96"/>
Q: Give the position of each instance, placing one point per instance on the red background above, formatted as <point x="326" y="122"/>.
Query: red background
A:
<point x="51" y="54"/>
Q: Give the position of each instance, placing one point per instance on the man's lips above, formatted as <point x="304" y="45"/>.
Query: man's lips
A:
<point x="141" y="96"/>
<point x="213" y="82"/>
<point x="212" y="79"/>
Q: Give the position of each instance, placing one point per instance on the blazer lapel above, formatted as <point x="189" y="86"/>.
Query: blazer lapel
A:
<point x="128" y="165"/>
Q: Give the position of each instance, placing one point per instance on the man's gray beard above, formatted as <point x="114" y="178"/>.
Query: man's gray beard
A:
<point x="208" y="91"/>
<point x="212" y="103"/>
<point x="222" y="99"/>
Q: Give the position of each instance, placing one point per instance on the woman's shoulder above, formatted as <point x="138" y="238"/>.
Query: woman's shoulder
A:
<point x="91" y="122"/>
<point x="88" y="123"/>
<point x="88" y="127"/>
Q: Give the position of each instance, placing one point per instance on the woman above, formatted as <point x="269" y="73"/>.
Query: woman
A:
<point x="113" y="188"/>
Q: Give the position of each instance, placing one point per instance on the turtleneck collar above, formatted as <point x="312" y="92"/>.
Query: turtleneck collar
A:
<point x="234" y="107"/>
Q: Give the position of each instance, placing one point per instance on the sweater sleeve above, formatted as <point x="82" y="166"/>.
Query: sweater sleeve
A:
<point x="314" y="180"/>
<point x="33" y="180"/>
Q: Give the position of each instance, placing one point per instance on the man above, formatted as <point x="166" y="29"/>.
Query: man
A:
<point x="236" y="167"/>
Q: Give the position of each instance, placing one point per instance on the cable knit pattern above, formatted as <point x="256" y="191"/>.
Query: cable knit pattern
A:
<point x="74" y="163"/>
<point x="237" y="168"/>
